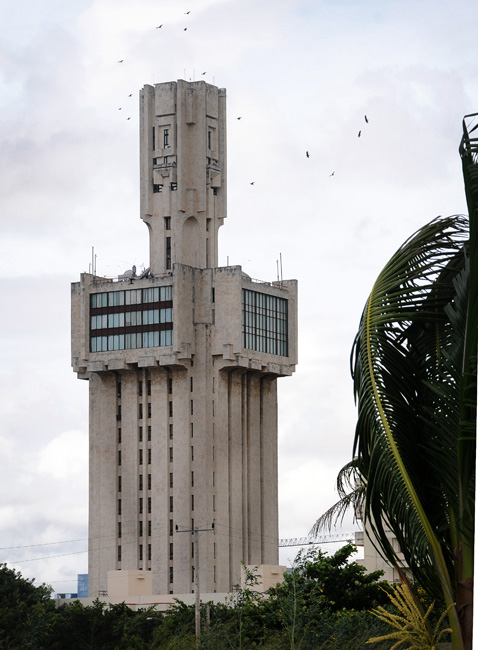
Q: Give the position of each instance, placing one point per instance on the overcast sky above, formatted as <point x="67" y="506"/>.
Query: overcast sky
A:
<point x="302" y="75"/>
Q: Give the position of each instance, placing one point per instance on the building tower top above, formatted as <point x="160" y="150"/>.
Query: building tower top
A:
<point x="183" y="172"/>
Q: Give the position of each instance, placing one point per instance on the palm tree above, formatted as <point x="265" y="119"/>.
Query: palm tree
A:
<point x="414" y="372"/>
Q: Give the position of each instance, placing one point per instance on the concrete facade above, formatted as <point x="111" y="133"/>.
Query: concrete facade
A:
<point x="182" y="363"/>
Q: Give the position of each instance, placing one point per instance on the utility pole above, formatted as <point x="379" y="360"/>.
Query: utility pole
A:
<point x="197" y="597"/>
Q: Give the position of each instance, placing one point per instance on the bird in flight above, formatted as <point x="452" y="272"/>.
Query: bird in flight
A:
<point x="307" y="154"/>
<point x="239" y="118"/>
<point x="128" y="118"/>
<point x="159" y="27"/>
<point x="186" y="13"/>
<point x="366" y="118"/>
<point x="185" y="29"/>
<point x="120" y="109"/>
<point x="121" y="61"/>
<point x="252" y="183"/>
<point x="130" y="95"/>
<point x="359" y="134"/>
<point x="203" y="73"/>
<point x="332" y="174"/>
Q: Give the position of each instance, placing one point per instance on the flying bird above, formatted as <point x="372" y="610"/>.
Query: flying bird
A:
<point x="332" y="174"/>
<point x="121" y="61"/>
<point x="252" y="183"/>
<point x="359" y="134"/>
<point x="203" y="73"/>
<point x="366" y="118"/>
<point x="186" y="13"/>
<point x="185" y="29"/>
<point x="130" y="95"/>
<point x="307" y="154"/>
<point x="128" y="118"/>
<point x="120" y="109"/>
<point x="159" y="27"/>
<point x="239" y="118"/>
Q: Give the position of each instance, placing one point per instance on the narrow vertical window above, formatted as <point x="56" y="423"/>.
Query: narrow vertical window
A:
<point x="119" y="529"/>
<point x="192" y="452"/>
<point x="140" y="552"/>
<point x="154" y="139"/>
<point x="119" y="506"/>
<point x="170" y="431"/>
<point x="170" y="385"/>
<point x="191" y="384"/>
<point x="192" y="479"/>
<point x="170" y="504"/>
<point x="149" y="529"/>
<point x="192" y="429"/>
<point x="171" y="454"/>
<point x="140" y="528"/>
<point x="170" y="479"/>
<point x="149" y="434"/>
<point x="140" y="456"/>
<point x="171" y="551"/>
<point x="149" y="409"/>
<point x="140" y="482"/>
<point x="118" y="389"/>
<point x="192" y="407"/>
<point x="214" y="503"/>
<point x="149" y="386"/>
<point x="209" y="139"/>
<point x="119" y="553"/>
<point x="119" y="436"/>
<point x="119" y="457"/>
<point x="119" y="483"/>
<point x="166" y="138"/>
<point x="170" y="409"/>
<point x="149" y="505"/>
<point x="140" y="411"/>
<point x="192" y="501"/>
<point x="140" y="388"/>
<point x="149" y="551"/>
<point x="168" y="252"/>
<point x="140" y="434"/>
<point x="141" y="505"/>
<point x="170" y="527"/>
<point x="149" y="481"/>
<point x="171" y="574"/>
<point x="167" y="223"/>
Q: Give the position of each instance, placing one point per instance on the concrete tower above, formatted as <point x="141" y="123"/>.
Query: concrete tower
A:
<point x="182" y="363"/>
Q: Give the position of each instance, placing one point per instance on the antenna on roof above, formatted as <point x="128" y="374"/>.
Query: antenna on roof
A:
<point x="281" y="276"/>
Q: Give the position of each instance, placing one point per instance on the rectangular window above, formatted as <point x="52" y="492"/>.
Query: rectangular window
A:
<point x="191" y="384"/>
<point x="192" y="429"/>
<point x="140" y="456"/>
<point x="119" y="457"/>
<point x="119" y="506"/>
<point x="149" y="387"/>
<point x="192" y="479"/>
<point x="149" y="409"/>
<point x="171" y="454"/>
<point x="119" y="553"/>
<point x="171" y="527"/>
<point x="166" y="137"/>
<point x="170" y="504"/>
<point x="140" y="482"/>
<point x="214" y="479"/>
<point x="154" y="138"/>
<point x="118" y="390"/>
<point x="140" y="528"/>
<point x="192" y="452"/>
<point x="192" y="550"/>
<point x="140" y="552"/>
<point x="118" y="414"/>
<point x="140" y="411"/>
<point x="149" y="505"/>
<point x="170" y="431"/>
<point x="170" y="385"/>
<point x="149" y="434"/>
<point x="214" y="503"/>
<point x="264" y="323"/>
<point x="157" y="188"/>
<point x="171" y="551"/>
<point x="140" y="505"/>
<point x="149" y="481"/>
<point x="140" y="434"/>
<point x="170" y="479"/>
<point x="192" y="501"/>
<point x="192" y="407"/>
<point x="170" y="409"/>
<point x="140" y="383"/>
<point x="192" y="574"/>
<point x="149" y="529"/>
<point x="171" y="574"/>
<point x="167" y="223"/>
<point x="168" y="252"/>
<point x="149" y="456"/>
<point x="119" y="529"/>
<point x="149" y="551"/>
<point x="119" y="483"/>
<point x="119" y="436"/>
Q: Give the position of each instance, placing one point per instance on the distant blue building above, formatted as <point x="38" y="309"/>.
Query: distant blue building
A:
<point x="82" y="585"/>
